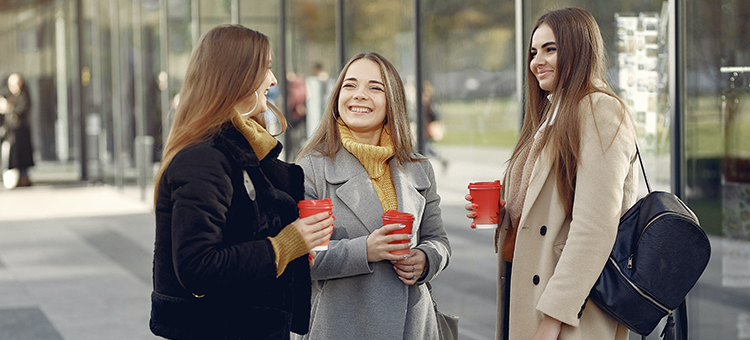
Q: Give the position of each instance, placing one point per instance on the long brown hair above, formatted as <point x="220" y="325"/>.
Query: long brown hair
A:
<point x="228" y="64"/>
<point x="581" y="70"/>
<point x="326" y="139"/>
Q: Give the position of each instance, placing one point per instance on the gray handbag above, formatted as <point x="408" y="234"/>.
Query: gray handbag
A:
<point x="447" y="324"/>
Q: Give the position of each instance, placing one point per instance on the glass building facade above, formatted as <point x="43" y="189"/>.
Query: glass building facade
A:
<point x="105" y="76"/>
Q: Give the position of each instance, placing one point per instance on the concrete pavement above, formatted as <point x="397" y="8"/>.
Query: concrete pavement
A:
<point x="75" y="263"/>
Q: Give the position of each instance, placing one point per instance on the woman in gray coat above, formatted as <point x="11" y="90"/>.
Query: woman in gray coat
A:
<point x="362" y="158"/>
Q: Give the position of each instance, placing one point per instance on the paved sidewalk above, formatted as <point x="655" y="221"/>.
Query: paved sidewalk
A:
<point x="75" y="263"/>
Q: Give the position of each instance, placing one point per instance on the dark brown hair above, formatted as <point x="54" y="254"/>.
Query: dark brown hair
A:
<point x="581" y="70"/>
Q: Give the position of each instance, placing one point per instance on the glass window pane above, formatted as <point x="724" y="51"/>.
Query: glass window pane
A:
<point x="311" y="66"/>
<point x="717" y="152"/>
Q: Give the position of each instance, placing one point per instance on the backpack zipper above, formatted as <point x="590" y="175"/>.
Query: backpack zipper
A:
<point x="638" y="290"/>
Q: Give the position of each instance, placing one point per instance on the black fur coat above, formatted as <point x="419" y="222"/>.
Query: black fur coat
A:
<point x="214" y="268"/>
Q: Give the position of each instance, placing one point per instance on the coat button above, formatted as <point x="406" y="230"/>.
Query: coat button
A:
<point x="535" y="280"/>
<point x="543" y="230"/>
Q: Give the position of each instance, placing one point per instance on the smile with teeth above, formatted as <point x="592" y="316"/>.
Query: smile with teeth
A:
<point x="359" y="109"/>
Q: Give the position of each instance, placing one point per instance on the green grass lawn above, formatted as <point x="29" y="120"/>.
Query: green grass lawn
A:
<point x="488" y="122"/>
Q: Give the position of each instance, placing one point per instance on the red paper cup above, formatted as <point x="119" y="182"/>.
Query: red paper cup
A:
<point x="312" y="207"/>
<point x="487" y="196"/>
<point x="396" y="217"/>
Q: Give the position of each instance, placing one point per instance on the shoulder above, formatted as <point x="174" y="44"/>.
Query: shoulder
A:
<point x="597" y="102"/>
<point x="201" y="157"/>
<point x="602" y="110"/>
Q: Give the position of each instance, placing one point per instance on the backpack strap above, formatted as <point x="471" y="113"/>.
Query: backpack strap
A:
<point x="643" y="169"/>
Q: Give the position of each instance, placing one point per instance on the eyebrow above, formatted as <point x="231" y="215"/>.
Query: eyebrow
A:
<point x="545" y="45"/>
<point x="371" y="81"/>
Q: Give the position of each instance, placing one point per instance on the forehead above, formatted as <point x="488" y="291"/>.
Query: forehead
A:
<point x="364" y="70"/>
<point x="542" y="35"/>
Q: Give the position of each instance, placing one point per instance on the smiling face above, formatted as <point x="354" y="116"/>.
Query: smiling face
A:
<point x="543" y="57"/>
<point x="248" y="106"/>
<point x="362" y="101"/>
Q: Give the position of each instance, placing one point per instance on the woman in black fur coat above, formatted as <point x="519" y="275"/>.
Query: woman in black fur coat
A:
<point x="231" y="255"/>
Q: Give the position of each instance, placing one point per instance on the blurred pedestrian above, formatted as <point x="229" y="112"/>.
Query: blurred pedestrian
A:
<point x="569" y="180"/>
<point x="231" y="257"/>
<point x="362" y="158"/>
<point x="16" y="109"/>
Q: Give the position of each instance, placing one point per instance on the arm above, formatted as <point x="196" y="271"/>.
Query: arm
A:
<point x="607" y="148"/>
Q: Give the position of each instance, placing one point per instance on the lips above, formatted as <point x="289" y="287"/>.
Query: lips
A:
<point x="542" y="74"/>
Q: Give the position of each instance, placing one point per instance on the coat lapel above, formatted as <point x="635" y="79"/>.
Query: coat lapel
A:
<point x="542" y="168"/>
<point x="355" y="190"/>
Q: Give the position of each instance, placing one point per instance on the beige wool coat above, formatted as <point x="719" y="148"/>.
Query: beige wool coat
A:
<point x="556" y="259"/>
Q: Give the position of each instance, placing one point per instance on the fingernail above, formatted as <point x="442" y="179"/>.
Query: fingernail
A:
<point x="411" y="244"/>
<point x="334" y="218"/>
<point x="473" y="214"/>
<point x="330" y="213"/>
<point x="402" y="226"/>
<point x="309" y="256"/>
<point x="474" y="205"/>
<point x="502" y="203"/>
<point x="406" y="256"/>
<point x="469" y="197"/>
<point x="409" y="235"/>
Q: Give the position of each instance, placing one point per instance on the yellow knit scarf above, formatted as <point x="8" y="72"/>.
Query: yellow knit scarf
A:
<point x="375" y="160"/>
<point x="259" y="138"/>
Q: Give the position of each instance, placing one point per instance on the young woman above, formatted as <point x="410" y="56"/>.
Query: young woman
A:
<point x="231" y="256"/>
<point x="570" y="178"/>
<point x="362" y="158"/>
<point x="17" y="126"/>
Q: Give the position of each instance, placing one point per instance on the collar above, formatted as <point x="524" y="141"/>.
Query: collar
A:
<point x="259" y="138"/>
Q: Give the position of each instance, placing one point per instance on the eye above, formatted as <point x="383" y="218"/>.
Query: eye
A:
<point x="551" y="49"/>
<point x="348" y="85"/>
<point x="532" y="54"/>
<point x="376" y="88"/>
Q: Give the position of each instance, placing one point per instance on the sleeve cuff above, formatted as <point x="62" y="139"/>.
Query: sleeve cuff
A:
<point x="287" y="245"/>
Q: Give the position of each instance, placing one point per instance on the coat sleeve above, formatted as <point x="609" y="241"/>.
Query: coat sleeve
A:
<point x="606" y="153"/>
<point x="345" y="257"/>
<point x="433" y="240"/>
<point x="201" y="195"/>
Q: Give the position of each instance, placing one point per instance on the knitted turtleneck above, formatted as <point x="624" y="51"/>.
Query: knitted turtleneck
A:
<point x="259" y="138"/>
<point x="375" y="160"/>
<point x="289" y="243"/>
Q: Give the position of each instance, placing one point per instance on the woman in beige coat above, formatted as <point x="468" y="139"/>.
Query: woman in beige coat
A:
<point x="569" y="179"/>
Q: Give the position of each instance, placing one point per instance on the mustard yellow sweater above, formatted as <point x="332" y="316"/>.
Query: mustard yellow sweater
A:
<point x="375" y="160"/>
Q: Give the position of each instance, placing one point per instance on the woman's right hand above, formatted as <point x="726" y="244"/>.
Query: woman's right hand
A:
<point x="315" y="229"/>
<point x="378" y="247"/>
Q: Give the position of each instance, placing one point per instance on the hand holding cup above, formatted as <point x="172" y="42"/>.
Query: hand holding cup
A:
<point x="485" y="208"/>
<point x="314" y="207"/>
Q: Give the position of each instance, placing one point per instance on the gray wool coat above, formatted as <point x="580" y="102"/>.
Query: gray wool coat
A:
<point x="354" y="299"/>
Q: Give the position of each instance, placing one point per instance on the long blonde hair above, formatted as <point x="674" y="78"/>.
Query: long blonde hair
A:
<point x="228" y="64"/>
<point x="581" y="70"/>
<point x="326" y="139"/>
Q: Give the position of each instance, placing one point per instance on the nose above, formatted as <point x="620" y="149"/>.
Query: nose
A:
<point x="360" y="94"/>
<point x="273" y="79"/>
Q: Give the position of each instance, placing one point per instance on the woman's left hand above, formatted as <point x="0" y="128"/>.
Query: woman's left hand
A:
<point x="410" y="269"/>
<point x="549" y="329"/>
